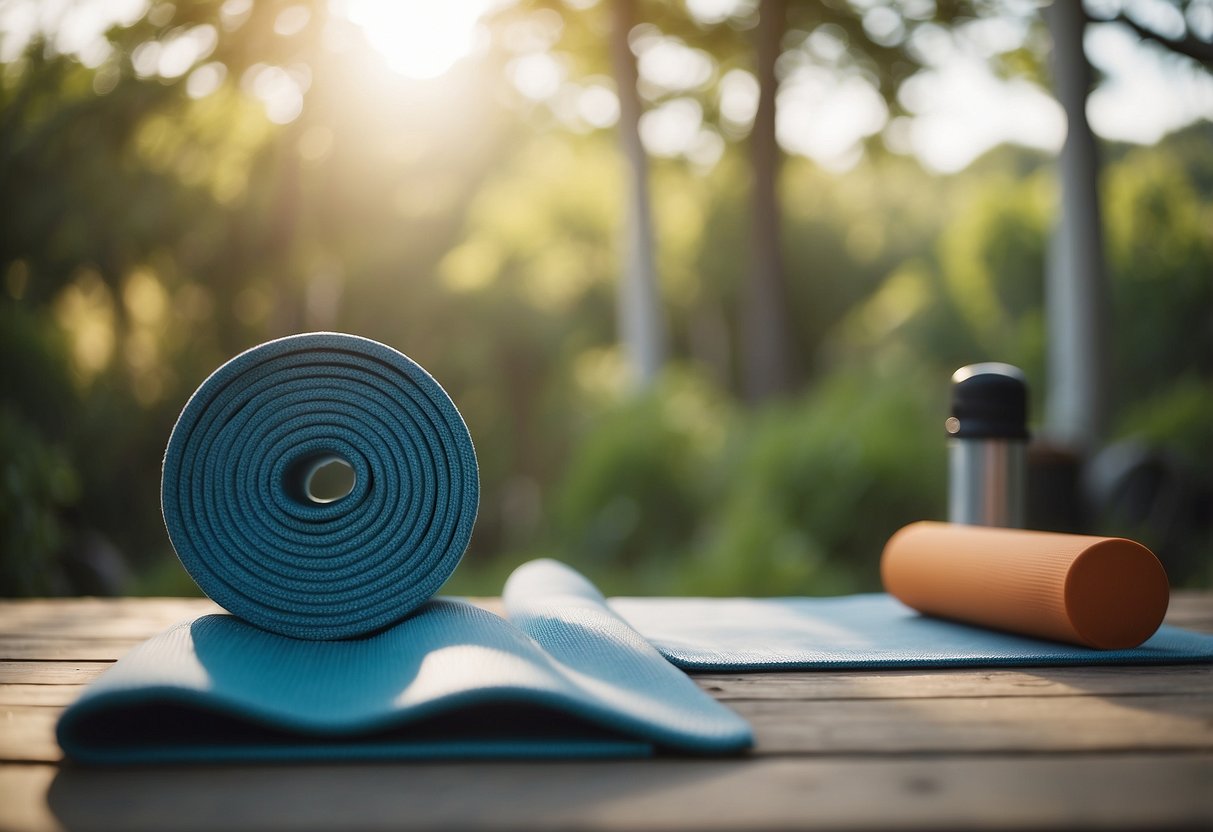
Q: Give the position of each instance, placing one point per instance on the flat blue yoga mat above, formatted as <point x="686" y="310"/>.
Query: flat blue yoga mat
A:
<point x="566" y="678"/>
<point x="859" y="632"/>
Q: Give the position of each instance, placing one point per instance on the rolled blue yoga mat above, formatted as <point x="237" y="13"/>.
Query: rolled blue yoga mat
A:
<point x="235" y="487"/>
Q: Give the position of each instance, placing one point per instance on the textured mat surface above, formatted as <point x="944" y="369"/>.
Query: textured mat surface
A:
<point x="335" y="649"/>
<point x="569" y="679"/>
<point x="234" y="486"/>
<point x="858" y="632"/>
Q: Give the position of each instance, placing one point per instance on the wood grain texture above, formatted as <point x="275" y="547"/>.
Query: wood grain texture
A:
<point x="1134" y="791"/>
<point x="956" y="683"/>
<point x="980" y="725"/>
<point x="64" y="648"/>
<point x="1190" y="605"/>
<point x="99" y="617"/>
<point x="50" y="673"/>
<point x="50" y="696"/>
<point x="1032" y="748"/>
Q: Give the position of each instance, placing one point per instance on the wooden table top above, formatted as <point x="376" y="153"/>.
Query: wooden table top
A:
<point x="1094" y="747"/>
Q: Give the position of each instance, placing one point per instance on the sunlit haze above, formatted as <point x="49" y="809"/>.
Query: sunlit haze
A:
<point x="417" y="39"/>
<point x="958" y="108"/>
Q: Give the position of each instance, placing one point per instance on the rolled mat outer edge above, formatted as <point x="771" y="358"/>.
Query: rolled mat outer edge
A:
<point x="231" y="486"/>
<point x="1100" y="592"/>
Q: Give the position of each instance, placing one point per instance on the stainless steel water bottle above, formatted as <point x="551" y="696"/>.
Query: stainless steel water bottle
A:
<point x="987" y="449"/>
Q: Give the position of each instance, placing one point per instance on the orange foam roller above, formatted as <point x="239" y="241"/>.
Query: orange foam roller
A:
<point x="1103" y="592"/>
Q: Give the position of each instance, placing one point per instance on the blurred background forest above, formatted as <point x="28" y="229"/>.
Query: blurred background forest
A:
<point x="696" y="273"/>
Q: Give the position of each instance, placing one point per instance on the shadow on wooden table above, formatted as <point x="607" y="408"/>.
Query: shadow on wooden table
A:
<point x="1064" y="747"/>
<point x="375" y="796"/>
<point x="1060" y="710"/>
<point x="936" y="792"/>
<point x="1091" y="747"/>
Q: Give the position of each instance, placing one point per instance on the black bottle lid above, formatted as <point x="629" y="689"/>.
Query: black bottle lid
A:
<point x="989" y="401"/>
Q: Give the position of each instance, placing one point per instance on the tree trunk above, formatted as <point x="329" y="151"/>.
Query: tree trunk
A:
<point x="641" y="325"/>
<point x="1076" y="300"/>
<point x="766" y="330"/>
<point x="287" y="316"/>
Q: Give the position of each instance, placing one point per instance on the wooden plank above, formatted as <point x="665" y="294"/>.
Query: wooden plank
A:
<point x="27" y="734"/>
<point x="100" y="617"/>
<point x="43" y="696"/>
<point x="59" y="631"/>
<point x="50" y="673"/>
<point x="1008" y="724"/>
<point x="917" y="684"/>
<point x="23" y="806"/>
<point x="1138" y="791"/>
<point x="33" y="648"/>
<point x="1190" y="602"/>
<point x="1195" y="623"/>
<point x="66" y="624"/>
<point x="877" y="726"/>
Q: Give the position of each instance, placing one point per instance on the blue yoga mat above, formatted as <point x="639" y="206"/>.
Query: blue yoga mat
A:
<point x="858" y="632"/>
<point x="335" y="649"/>
<point x="566" y="678"/>
<point x="234" y="487"/>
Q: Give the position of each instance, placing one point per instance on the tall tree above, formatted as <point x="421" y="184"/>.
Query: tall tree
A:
<point x="878" y="45"/>
<point x="592" y="40"/>
<point x="768" y="357"/>
<point x="753" y="38"/>
<point x="641" y="323"/>
<point x="1076" y="282"/>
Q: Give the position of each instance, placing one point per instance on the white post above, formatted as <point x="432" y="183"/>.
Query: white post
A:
<point x="1075" y="284"/>
<point x="641" y="325"/>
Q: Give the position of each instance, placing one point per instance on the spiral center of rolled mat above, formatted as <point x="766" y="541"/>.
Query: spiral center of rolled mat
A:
<point x="320" y="486"/>
<point x="323" y="479"/>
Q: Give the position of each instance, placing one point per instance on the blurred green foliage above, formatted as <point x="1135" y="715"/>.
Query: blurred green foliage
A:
<point x="148" y="235"/>
<point x="39" y="485"/>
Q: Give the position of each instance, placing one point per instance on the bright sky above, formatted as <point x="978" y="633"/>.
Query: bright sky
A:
<point x="964" y="110"/>
<point x="960" y="108"/>
<point x="418" y="38"/>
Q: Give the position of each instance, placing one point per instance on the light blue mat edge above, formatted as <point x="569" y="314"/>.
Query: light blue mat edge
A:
<point x="693" y="643"/>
